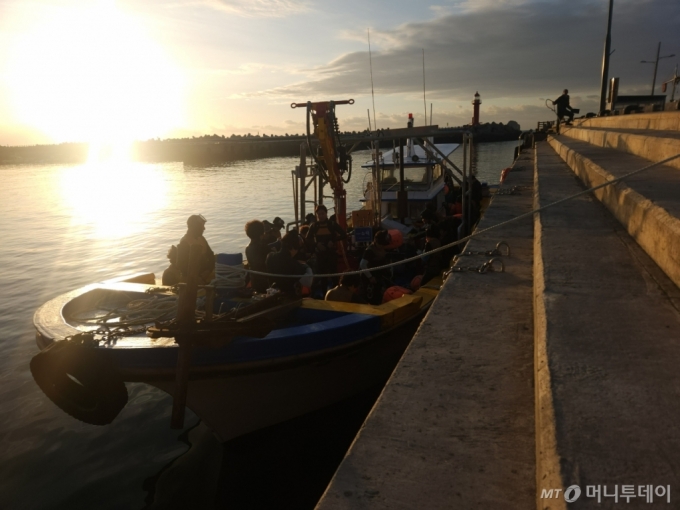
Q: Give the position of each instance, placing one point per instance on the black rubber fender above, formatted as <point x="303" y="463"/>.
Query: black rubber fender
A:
<point x="80" y="381"/>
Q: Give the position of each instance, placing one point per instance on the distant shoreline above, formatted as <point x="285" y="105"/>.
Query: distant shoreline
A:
<point x="210" y="150"/>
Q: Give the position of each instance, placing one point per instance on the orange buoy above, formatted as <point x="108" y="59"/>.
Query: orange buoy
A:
<point x="395" y="293"/>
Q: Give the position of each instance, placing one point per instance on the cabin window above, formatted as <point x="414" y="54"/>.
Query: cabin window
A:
<point x="415" y="177"/>
<point x="415" y="209"/>
<point x="436" y="172"/>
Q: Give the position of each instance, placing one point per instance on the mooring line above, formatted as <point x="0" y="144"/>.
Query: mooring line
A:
<point x="474" y="234"/>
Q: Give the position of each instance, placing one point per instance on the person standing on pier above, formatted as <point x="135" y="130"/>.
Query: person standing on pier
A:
<point x="563" y="107"/>
<point x="194" y="236"/>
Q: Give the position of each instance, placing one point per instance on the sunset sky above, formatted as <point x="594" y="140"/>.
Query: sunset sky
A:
<point x="74" y="70"/>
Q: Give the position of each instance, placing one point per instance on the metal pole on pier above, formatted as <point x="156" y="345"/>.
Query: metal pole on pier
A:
<point x="605" y="59"/>
<point x="656" y="64"/>
<point x="463" y="186"/>
<point x="471" y="165"/>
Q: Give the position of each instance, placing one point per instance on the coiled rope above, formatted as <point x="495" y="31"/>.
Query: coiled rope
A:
<point x="476" y="233"/>
<point x="551" y="108"/>
<point x="227" y="278"/>
<point x="137" y="312"/>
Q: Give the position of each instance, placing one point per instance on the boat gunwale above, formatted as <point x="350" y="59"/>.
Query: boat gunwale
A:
<point x="426" y="295"/>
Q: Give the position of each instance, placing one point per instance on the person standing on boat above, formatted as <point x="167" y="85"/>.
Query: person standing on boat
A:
<point x="563" y="107"/>
<point x="325" y="234"/>
<point x="256" y="254"/>
<point x="194" y="236"/>
<point x="433" y="262"/>
<point x="305" y="252"/>
<point x="273" y="231"/>
<point x="283" y="262"/>
<point x="374" y="256"/>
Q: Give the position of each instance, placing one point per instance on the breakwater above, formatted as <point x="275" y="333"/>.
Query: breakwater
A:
<point x="214" y="150"/>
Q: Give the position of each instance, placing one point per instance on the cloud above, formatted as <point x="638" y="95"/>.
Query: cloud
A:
<point x="255" y="67"/>
<point x="260" y="8"/>
<point x="504" y="50"/>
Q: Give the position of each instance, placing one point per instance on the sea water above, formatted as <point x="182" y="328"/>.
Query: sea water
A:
<point x="64" y="226"/>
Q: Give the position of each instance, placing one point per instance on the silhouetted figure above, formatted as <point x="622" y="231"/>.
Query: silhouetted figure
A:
<point x="272" y="231"/>
<point x="475" y="199"/>
<point x="283" y="262"/>
<point x="347" y="290"/>
<point x="256" y="254"/>
<point x="434" y="261"/>
<point x="305" y="250"/>
<point x="563" y="107"/>
<point x="376" y="256"/>
<point x="324" y="234"/>
<point x="172" y="275"/>
<point x="194" y="236"/>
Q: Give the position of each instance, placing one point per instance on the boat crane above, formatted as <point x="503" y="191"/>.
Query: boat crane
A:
<point x="333" y="159"/>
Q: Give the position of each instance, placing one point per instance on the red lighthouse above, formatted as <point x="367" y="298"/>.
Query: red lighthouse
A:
<point x="475" y="112"/>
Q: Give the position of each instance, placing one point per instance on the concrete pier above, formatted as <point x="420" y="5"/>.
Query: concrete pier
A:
<point x="455" y="425"/>
<point x="560" y="372"/>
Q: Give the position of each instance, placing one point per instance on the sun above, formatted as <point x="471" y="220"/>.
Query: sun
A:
<point x="92" y="73"/>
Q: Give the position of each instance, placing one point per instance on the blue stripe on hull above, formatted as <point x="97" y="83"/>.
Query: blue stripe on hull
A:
<point x="314" y="337"/>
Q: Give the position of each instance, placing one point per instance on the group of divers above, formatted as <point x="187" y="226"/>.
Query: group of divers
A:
<point x="315" y="248"/>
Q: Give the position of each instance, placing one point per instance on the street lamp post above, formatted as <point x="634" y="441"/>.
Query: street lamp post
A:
<point x="656" y="64"/>
<point x="605" y="58"/>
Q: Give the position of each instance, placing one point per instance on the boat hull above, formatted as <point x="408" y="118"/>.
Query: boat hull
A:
<point x="235" y="404"/>
<point x="324" y="352"/>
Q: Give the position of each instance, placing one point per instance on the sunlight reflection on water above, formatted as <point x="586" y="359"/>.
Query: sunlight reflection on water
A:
<point x="116" y="199"/>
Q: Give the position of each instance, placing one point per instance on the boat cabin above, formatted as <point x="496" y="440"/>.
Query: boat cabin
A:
<point x="424" y="179"/>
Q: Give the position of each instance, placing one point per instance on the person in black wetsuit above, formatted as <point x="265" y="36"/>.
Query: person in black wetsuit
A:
<point x="324" y="235"/>
<point x="434" y="261"/>
<point x="475" y="199"/>
<point x="563" y="107"/>
<point x="375" y="255"/>
<point x="256" y="254"/>
<point x="283" y="262"/>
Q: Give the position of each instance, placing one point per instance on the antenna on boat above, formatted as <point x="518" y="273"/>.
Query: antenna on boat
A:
<point x="424" y="102"/>
<point x="430" y="114"/>
<point x="368" y="111"/>
<point x="370" y="60"/>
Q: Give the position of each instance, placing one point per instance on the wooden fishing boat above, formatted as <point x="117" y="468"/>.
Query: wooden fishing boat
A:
<point x="321" y="352"/>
